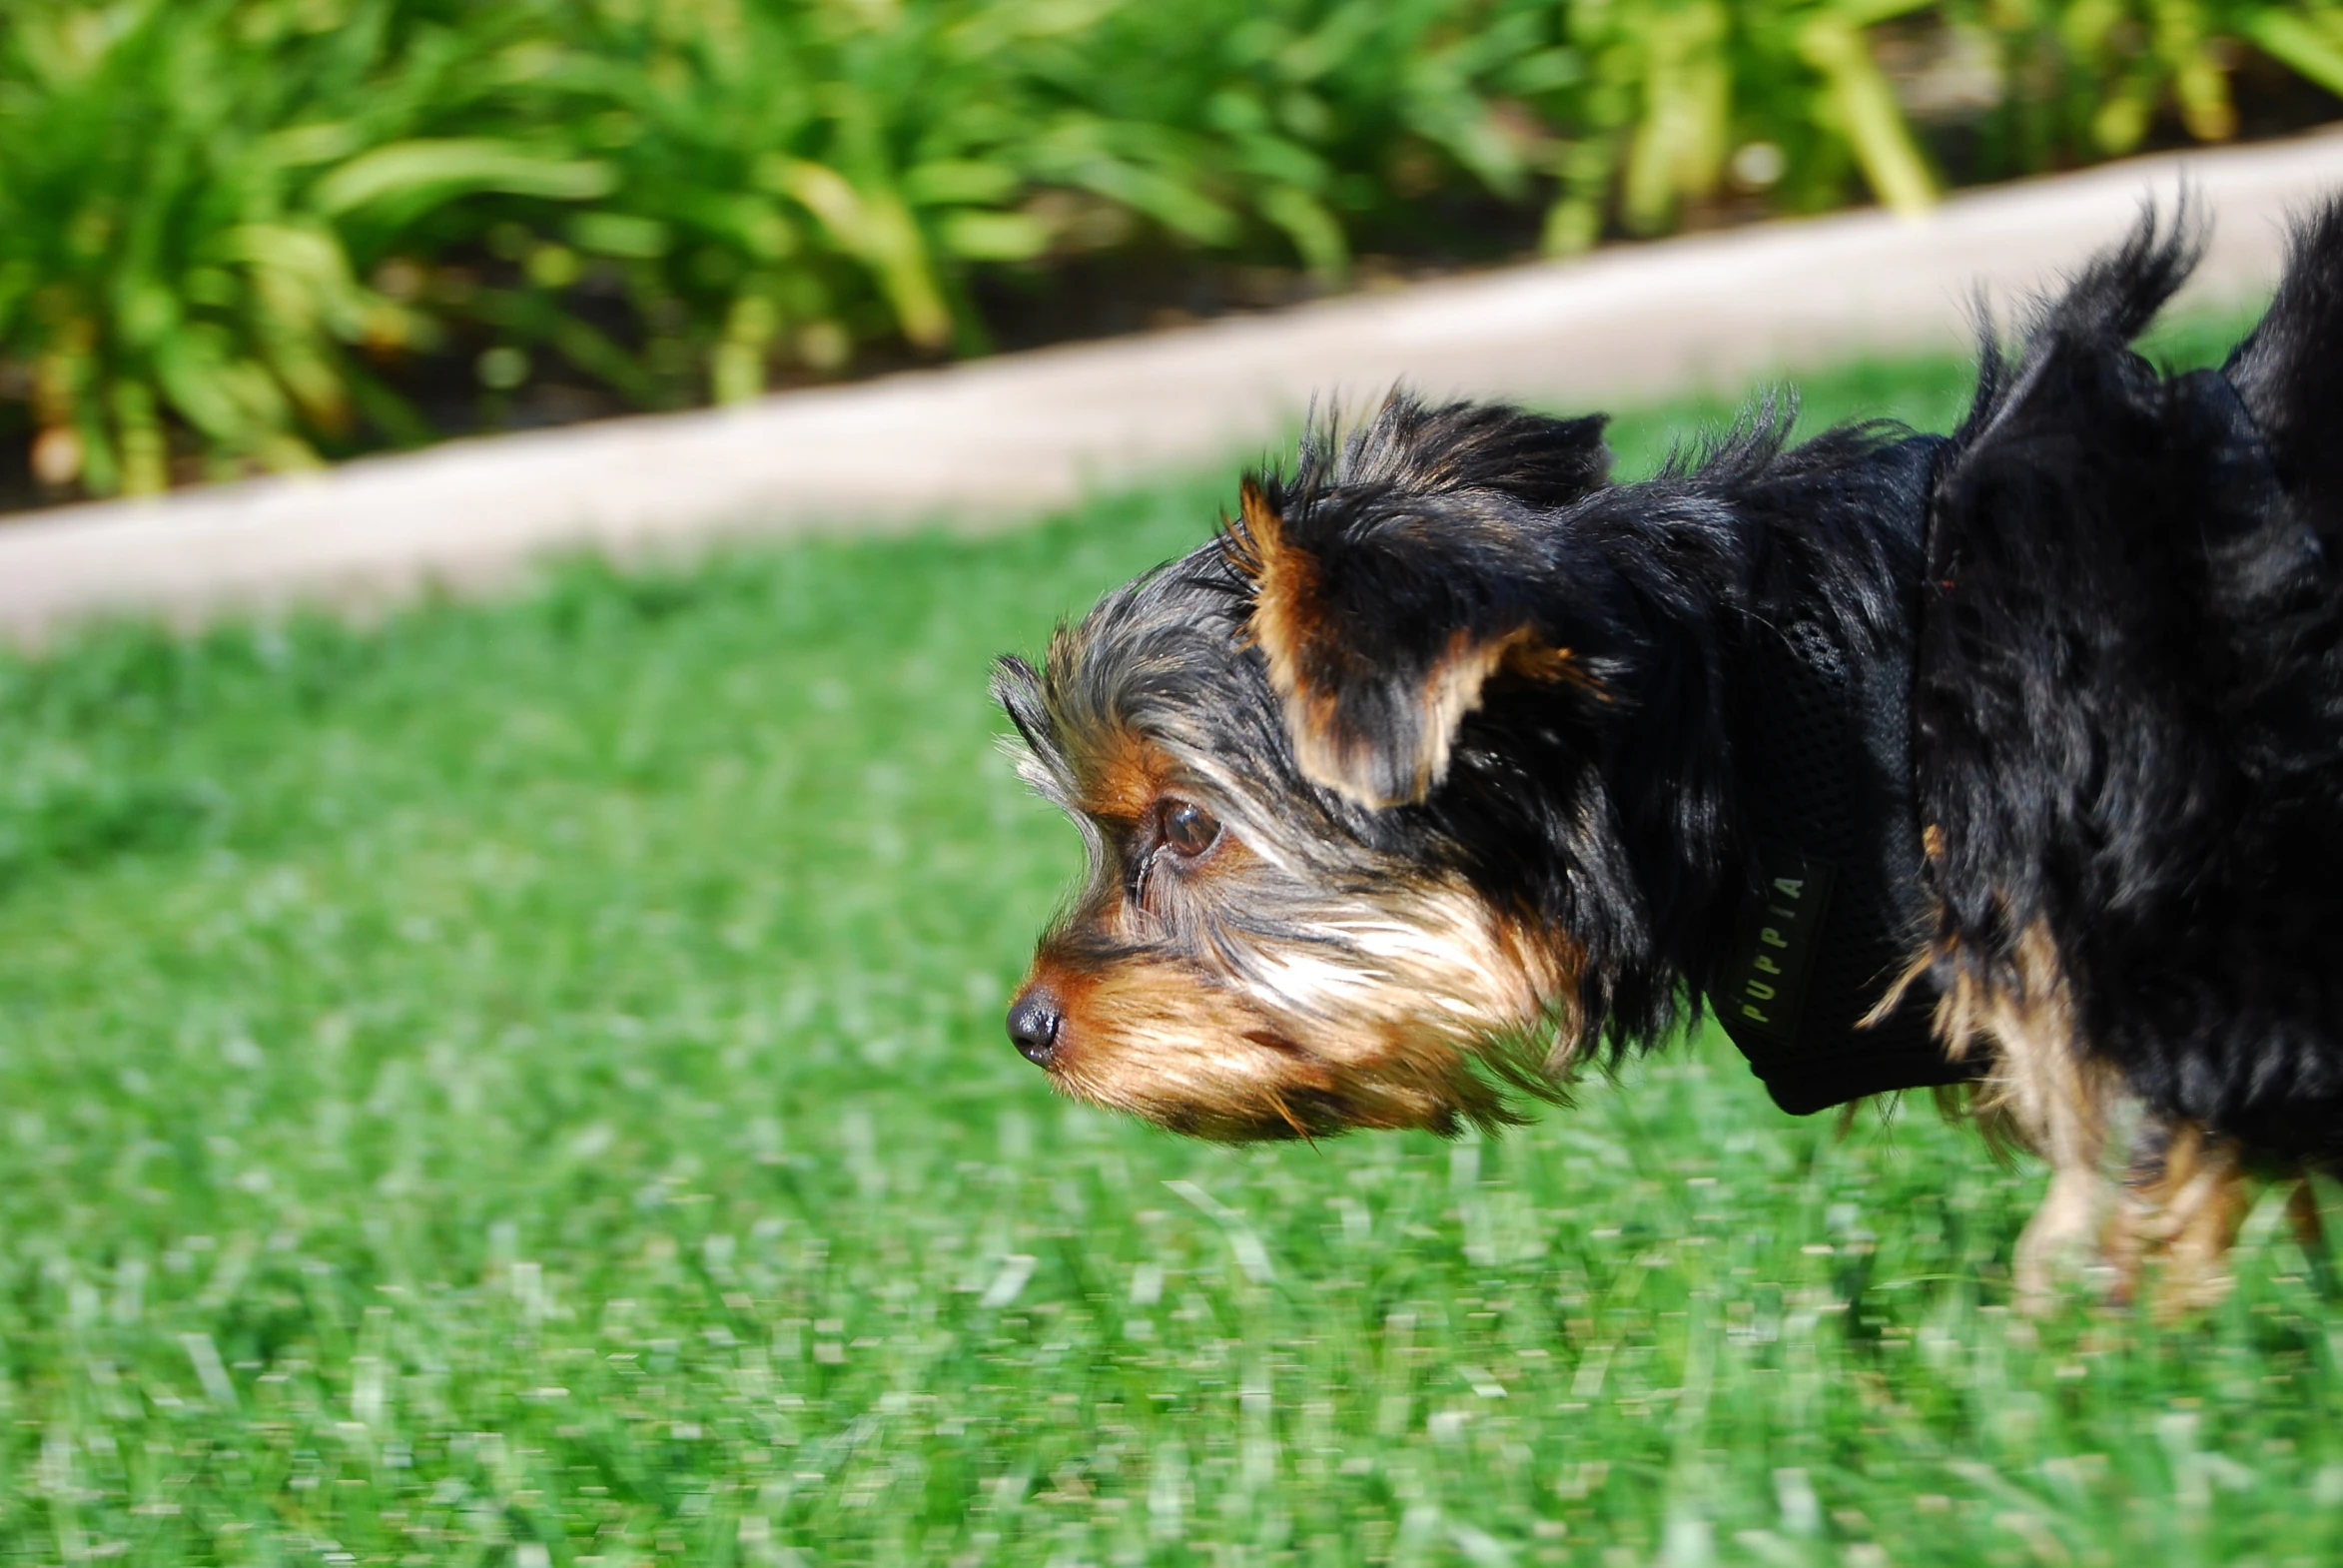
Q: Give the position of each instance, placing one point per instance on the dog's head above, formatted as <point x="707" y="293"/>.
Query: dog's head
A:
<point x="1299" y="758"/>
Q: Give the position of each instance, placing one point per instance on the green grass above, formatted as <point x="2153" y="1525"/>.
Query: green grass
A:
<point x="524" y="1086"/>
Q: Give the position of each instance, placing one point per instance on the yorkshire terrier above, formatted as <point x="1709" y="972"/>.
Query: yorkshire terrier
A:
<point x="2007" y="763"/>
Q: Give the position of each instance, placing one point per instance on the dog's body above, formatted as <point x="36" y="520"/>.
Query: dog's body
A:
<point x="2012" y="756"/>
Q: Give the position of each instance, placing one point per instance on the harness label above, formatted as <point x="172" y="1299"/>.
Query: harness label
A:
<point x="1762" y="988"/>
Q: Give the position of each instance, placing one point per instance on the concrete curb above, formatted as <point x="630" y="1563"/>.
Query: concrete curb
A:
<point x="991" y="442"/>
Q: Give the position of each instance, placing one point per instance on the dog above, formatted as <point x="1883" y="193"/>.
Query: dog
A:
<point x="2006" y="764"/>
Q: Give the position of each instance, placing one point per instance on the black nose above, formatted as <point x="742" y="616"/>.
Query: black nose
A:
<point x="1033" y="1021"/>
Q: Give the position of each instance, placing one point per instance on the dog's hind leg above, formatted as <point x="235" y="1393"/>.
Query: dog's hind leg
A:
<point x="2310" y="1233"/>
<point x="2182" y="1204"/>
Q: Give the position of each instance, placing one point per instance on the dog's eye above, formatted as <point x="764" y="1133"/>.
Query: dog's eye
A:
<point x="1187" y="829"/>
<point x="1184" y="832"/>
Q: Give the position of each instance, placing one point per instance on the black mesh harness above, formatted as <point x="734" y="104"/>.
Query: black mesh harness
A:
<point x="1834" y="905"/>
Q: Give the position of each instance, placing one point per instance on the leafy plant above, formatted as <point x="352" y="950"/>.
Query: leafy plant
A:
<point x="232" y="231"/>
<point x="155" y="260"/>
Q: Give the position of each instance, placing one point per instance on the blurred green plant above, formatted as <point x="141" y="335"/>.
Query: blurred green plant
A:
<point x="238" y="233"/>
<point x="188" y="190"/>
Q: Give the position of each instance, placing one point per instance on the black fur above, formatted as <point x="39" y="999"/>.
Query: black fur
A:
<point x="1421" y="527"/>
<point x="2129" y="707"/>
<point x="2127" y="714"/>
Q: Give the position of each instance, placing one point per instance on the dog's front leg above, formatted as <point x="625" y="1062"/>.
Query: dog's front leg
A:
<point x="2066" y="1238"/>
<point x="2057" y="1102"/>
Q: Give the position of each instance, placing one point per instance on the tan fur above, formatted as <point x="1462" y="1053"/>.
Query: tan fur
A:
<point x="2040" y="1092"/>
<point x="1460" y="680"/>
<point x="1285" y="615"/>
<point x="2181" y="1208"/>
<point x="1287" y="621"/>
<point x="1284" y="622"/>
<point x="2169" y="1222"/>
<point x="1122" y="774"/>
<point x="1292" y="1042"/>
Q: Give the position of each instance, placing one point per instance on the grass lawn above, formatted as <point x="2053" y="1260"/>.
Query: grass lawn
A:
<point x="524" y="1086"/>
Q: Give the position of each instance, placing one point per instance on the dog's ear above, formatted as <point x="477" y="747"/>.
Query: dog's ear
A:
<point x="1042" y="760"/>
<point x="1017" y="686"/>
<point x="1398" y="576"/>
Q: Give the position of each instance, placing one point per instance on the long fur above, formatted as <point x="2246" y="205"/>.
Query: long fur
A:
<point x="2129" y="707"/>
<point x="1447" y="655"/>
